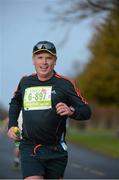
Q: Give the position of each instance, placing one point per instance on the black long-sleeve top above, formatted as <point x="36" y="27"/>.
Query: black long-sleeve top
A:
<point x="37" y="100"/>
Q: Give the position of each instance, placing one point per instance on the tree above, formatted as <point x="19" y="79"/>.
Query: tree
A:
<point x="100" y="78"/>
<point x="69" y="12"/>
<point x="3" y="112"/>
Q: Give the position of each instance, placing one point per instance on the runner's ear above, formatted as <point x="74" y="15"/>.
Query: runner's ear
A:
<point x="32" y="60"/>
<point x="55" y="61"/>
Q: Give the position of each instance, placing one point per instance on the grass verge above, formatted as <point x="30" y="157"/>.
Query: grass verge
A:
<point x="101" y="140"/>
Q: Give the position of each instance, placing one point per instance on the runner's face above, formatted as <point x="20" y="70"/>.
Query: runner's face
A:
<point x="44" y="64"/>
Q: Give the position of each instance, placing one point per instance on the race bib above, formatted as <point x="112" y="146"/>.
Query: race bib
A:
<point x="37" y="98"/>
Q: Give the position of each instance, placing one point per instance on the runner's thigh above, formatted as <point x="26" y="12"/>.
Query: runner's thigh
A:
<point x="29" y="164"/>
<point x="55" y="168"/>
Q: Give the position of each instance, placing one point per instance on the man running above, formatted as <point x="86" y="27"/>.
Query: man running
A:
<point x="46" y="99"/>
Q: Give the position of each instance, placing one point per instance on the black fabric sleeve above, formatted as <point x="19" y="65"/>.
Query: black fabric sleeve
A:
<point x="15" y="107"/>
<point x="82" y="109"/>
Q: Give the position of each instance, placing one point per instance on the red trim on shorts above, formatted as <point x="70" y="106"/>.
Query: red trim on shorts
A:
<point x="36" y="148"/>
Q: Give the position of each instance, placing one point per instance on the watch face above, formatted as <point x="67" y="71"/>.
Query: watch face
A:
<point x="72" y="109"/>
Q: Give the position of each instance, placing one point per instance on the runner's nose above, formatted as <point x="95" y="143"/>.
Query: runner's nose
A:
<point x="44" y="61"/>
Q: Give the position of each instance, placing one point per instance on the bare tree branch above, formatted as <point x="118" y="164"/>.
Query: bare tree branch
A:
<point x="77" y="10"/>
<point x="107" y="5"/>
<point x="72" y="12"/>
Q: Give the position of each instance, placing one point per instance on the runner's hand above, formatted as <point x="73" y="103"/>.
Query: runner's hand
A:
<point x="63" y="110"/>
<point x="12" y="134"/>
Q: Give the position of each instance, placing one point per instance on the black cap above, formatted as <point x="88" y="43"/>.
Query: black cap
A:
<point x="45" y="46"/>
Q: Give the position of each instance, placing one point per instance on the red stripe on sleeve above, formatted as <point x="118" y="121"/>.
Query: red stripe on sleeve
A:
<point x="74" y="85"/>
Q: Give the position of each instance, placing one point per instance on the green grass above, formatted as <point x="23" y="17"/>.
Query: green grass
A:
<point x="1" y="122"/>
<point x="101" y="140"/>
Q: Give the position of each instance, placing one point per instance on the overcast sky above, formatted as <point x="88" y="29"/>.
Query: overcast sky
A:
<point x="22" y="24"/>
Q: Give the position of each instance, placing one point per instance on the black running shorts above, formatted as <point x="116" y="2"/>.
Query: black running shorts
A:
<point x="47" y="161"/>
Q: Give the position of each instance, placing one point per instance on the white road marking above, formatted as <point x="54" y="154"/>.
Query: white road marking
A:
<point x="75" y="165"/>
<point x="93" y="171"/>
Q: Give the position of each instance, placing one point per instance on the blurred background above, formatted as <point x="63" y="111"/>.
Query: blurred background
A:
<point x="86" y="36"/>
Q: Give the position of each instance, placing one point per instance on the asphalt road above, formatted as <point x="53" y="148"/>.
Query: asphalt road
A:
<point x="82" y="164"/>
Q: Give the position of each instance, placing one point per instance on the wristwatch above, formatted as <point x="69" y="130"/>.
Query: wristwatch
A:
<point x="72" y="109"/>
